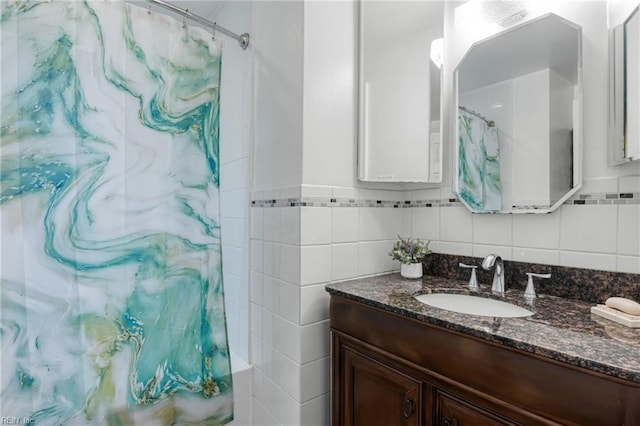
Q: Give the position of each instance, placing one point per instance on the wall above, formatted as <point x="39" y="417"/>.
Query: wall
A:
<point x="312" y="222"/>
<point x="236" y="116"/>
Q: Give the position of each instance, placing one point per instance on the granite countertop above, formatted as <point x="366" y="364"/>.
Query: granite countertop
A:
<point x="560" y="329"/>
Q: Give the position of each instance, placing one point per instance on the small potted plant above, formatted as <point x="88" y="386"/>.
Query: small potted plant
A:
<point x="410" y="253"/>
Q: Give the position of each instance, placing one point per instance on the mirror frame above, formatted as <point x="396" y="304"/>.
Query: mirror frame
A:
<point x="360" y="84"/>
<point x="577" y="129"/>
<point x="616" y="151"/>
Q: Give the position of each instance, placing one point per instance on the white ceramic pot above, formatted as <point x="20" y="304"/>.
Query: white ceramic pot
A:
<point x="412" y="270"/>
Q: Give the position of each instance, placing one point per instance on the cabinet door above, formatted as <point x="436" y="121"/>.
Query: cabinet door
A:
<point x="377" y="394"/>
<point x="451" y="411"/>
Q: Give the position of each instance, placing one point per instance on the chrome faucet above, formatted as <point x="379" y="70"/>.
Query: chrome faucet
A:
<point x="497" y="287"/>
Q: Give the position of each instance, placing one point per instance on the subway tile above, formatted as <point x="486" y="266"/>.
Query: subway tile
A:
<point x="234" y="232"/>
<point x="234" y="204"/>
<point x="290" y="225"/>
<point x="234" y="146"/>
<point x="290" y="263"/>
<point x="344" y="261"/>
<point x="369" y="259"/>
<point x="461" y="249"/>
<point x="628" y="264"/>
<point x="271" y="259"/>
<point x="314" y="304"/>
<point x="532" y="255"/>
<point x="492" y="229"/>
<point x="268" y="321"/>
<point x="257" y="256"/>
<point x="234" y="175"/>
<point x="599" y="185"/>
<point x="370" y="224"/>
<point x="271" y="221"/>
<point x="290" y="192"/>
<point x="289" y="377"/>
<point x="317" y="191"/>
<point x="315" y="225"/>
<point x="345" y="192"/>
<point x="289" y="302"/>
<point x="388" y="264"/>
<point x="456" y="225"/>
<point x="257" y="223"/>
<point x="407" y="226"/>
<point x="315" y="341"/>
<point x="315" y="379"/>
<point x="344" y="224"/>
<point x="271" y="294"/>
<point x="423" y="194"/>
<point x="287" y="340"/>
<point x="391" y="223"/>
<point x="537" y="231"/>
<point x="317" y="412"/>
<point x="425" y="223"/>
<point x="258" y="376"/>
<point x="231" y="284"/>
<point x="629" y="184"/>
<point x="315" y="264"/>
<point x="287" y="410"/>
<point x="588" y="229"/>
<point x="256" y="320"/>
<point x="234" y="259"/>
<point x="629" y="230"/>
<point x="256" y="287"/>
<point x="597" y="261"/>
<point x="480" y="250"/>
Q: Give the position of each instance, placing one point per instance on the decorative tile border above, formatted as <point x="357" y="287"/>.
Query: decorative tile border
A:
<point x="582" y="199"/>
<point x="606" y="198"/>
<point x="350" y="202"/>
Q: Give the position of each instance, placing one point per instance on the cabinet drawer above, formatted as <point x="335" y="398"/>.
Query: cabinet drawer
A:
<point x="451" y="411"/>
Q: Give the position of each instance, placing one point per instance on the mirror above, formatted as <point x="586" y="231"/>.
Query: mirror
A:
<point x="519" y="109"/>
<point x="624" y="81"/>
<point x="400" y="57"/>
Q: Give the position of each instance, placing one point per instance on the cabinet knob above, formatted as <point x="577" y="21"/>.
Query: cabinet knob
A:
<point x="446" y="422"/>
<point x="407" y="408"/>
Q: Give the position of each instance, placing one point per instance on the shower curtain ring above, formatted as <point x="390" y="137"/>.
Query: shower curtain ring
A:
<point x="184" y="18"/>
<point x="213" y="31"/>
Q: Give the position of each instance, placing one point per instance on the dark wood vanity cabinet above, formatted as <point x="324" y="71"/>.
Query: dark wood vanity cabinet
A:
<point x="390" y="370"/>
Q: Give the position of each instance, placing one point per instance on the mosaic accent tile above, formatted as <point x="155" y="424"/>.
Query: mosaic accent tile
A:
<point x="582" y="199"/>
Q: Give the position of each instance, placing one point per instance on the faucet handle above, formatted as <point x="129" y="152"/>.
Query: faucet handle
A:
<point x="473" y="281"/>
<point x="530" y="292"/>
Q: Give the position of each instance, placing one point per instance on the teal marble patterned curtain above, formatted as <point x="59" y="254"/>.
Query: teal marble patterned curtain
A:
<point x="479" y="182"/>
<point x="111" y="291"/>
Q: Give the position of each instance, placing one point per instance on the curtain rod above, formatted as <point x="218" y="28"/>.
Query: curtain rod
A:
<point x="242" y="39"/>
<point x="490" y="123"/>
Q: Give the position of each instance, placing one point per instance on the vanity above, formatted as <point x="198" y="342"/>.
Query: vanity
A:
<point x="397" y="361"/>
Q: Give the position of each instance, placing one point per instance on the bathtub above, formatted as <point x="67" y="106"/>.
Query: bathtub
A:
<point x="241" y="372"/>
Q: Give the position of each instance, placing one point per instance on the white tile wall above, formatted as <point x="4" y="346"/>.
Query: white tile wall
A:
<point x="345" y="224"/>
<point x="315" y="264"/>
<point x="344" y="262"/>
<point x="629" y="230"/>
<point x="589" y="229"/>
<point x="315" y="225"/>
<point x="456" y="225"/>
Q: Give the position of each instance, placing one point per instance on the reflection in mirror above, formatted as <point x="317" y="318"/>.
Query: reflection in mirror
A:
<point x="519" y="113"/>
<point x="401" y="53"/>
<point x="624" y="81"/>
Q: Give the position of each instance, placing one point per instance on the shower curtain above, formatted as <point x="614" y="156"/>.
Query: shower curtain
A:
<point x="478" y="163"/>
<point x="111" y="291"/>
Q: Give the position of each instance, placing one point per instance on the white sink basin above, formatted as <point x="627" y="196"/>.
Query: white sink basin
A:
<point x="473" y="305"/>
